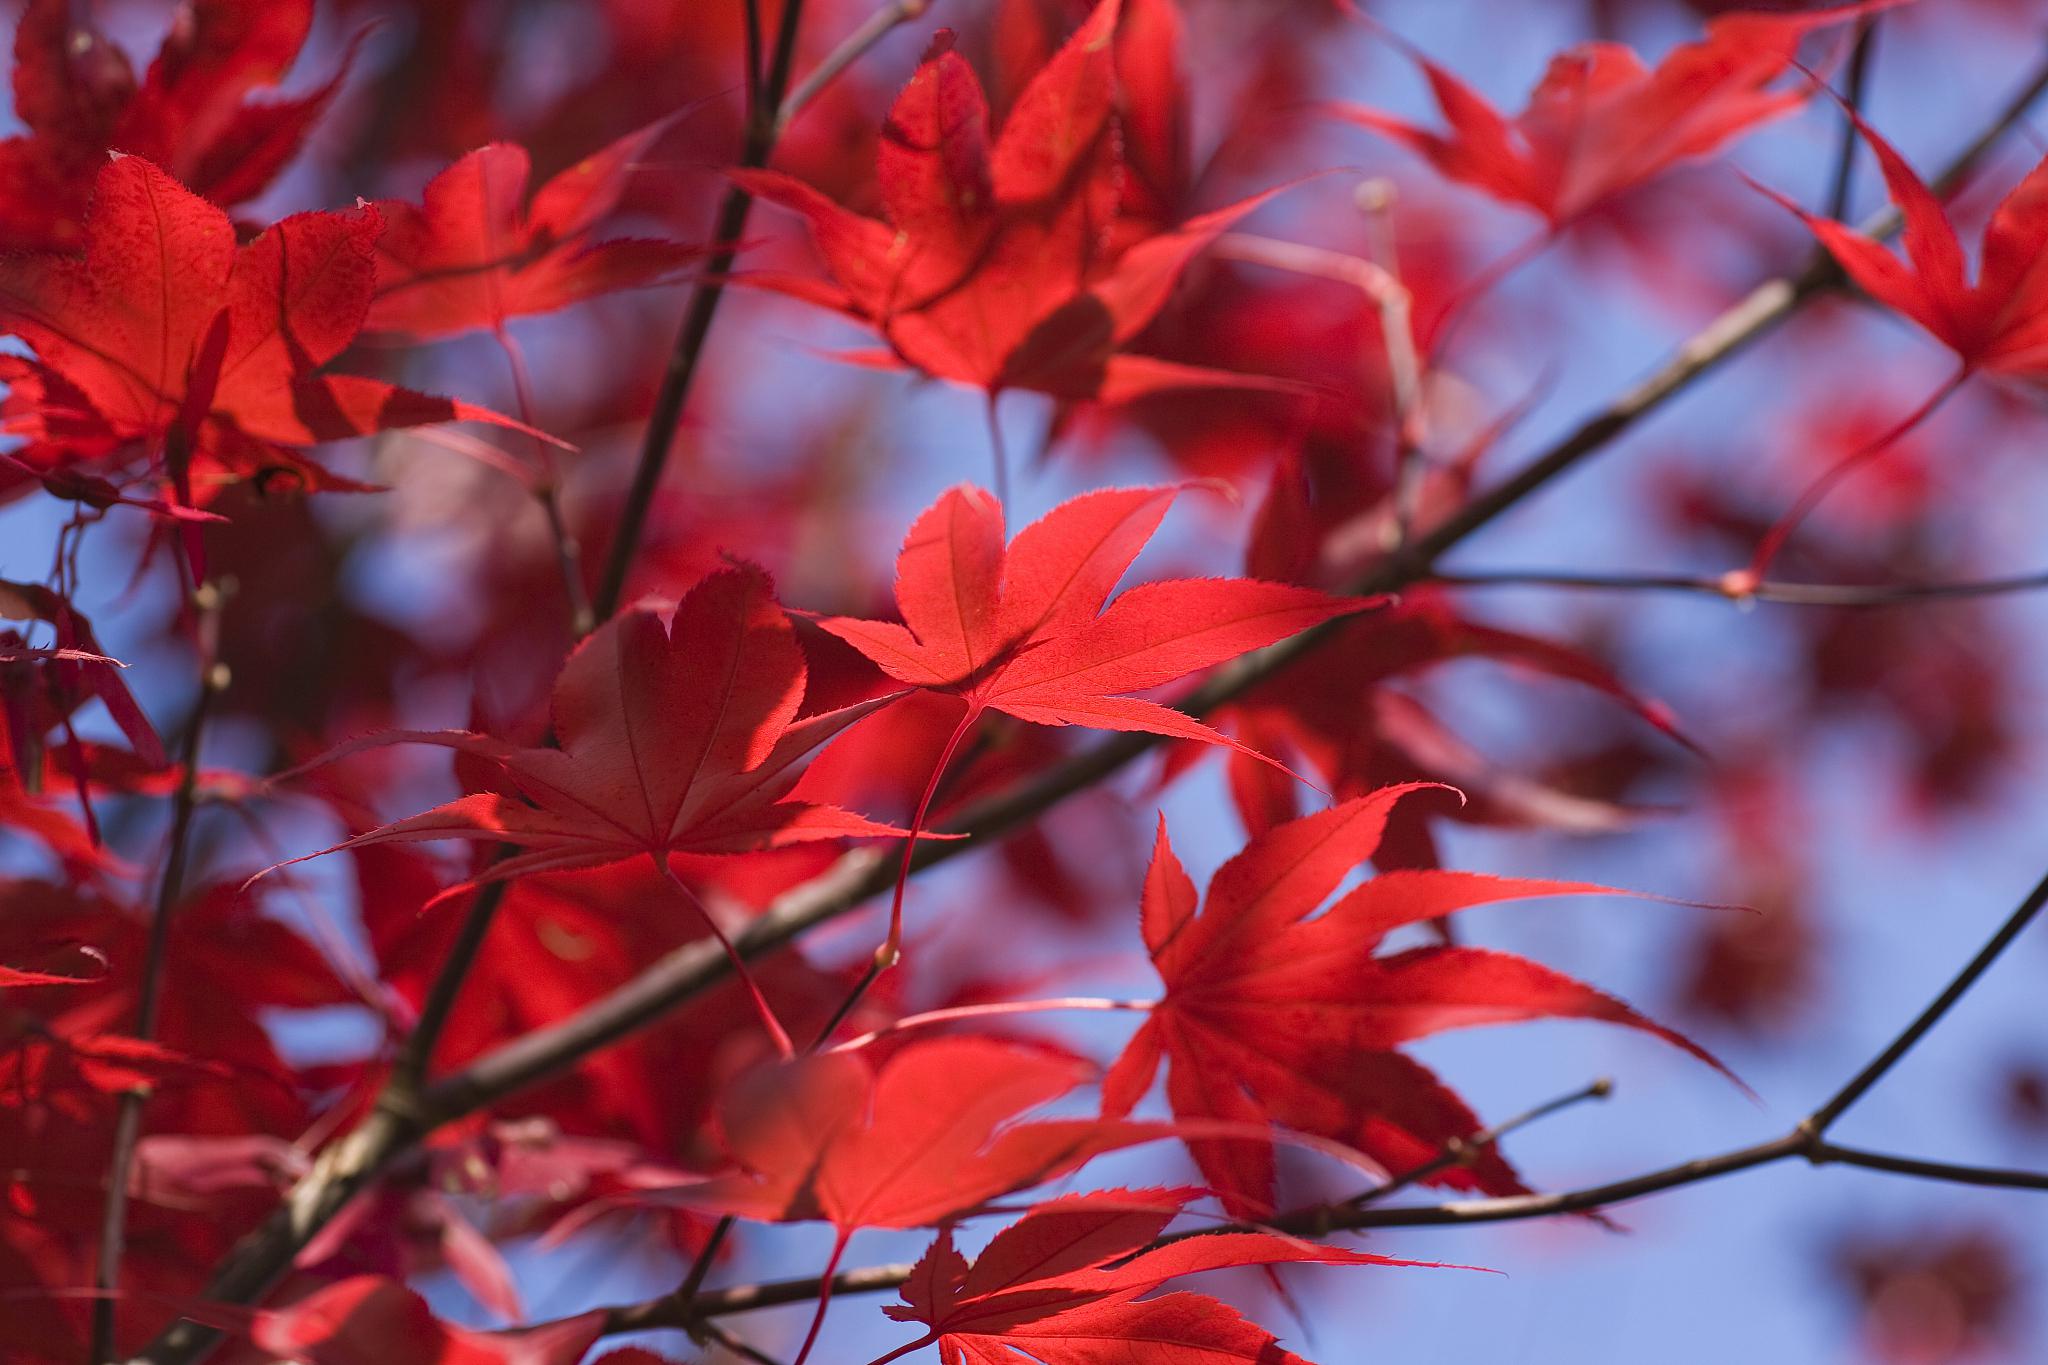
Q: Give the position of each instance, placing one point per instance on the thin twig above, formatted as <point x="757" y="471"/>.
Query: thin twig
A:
<point x="1464" y="1151"/>
<point x="993" y="1009"/>
<point x="1726" y="587"/>
<point x="733" y="1344"/>
<point x="873" y="29"/>
<point x="1844" y="180"/>
<point x="669" y="401"/>
<point x="1825" y="1153"/>
<point x="750" y="27"/>
<point x="1382" y="287"/>
<point x="350" y="1164"/>
<point x="568" y="561"/>
<point x="213" y="680"/>
<point x="1323" y="1219"/>
<point x="1870" y="1075"/>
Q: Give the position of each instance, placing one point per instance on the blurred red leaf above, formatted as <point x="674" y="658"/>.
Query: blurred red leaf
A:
<point x="996" y="267"/>
<point x="1601" y="122"/>
<point x="477" y="251"/>
<point x="78" y="96"/>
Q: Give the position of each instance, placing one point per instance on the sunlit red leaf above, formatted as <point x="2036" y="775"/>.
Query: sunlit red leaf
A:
<point x="1272" y="1016"/>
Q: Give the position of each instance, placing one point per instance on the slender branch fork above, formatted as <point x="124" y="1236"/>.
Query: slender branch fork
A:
<point x="399" y="1121"/>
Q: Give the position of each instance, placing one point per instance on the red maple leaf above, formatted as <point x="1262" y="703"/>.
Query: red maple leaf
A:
<point x="40" y="688"/>
<point x="672" y="740"/>
<point x="830" y="1137"/>
<point x="1024" y="631"/>
<point x="1062" y="1285"/>
<point x="1601" y="122"/>
<point x="1272" y="1017"/>
<point x="1999" y="324"/>
<point x="476" y="252"/>
<point x="998" y="266"/>
<point x="190" y="352"/>
<point x="78" y="96"/>
<point x="374" y="1320"/>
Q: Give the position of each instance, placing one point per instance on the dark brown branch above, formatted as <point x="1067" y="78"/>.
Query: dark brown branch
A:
<point x="1324" y="1219"/>
<point x="213" y="680"/>
<point x="688" y="352"/>
<point x="1824" y="1153"/>
<point x="1870" y="1075"/>
<point x="1464" y="1151"/>
<point x="1844" y="180"/>
<point x="1789" y="594"/>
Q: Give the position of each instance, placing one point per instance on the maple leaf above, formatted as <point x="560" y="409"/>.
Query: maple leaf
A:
<point x="1601" y="122"/>
<point x="829" y="1137"/>
<point x="1024" y="631"/>
<point x="997" y="267"/>
<point x="39" y="1066"/>
<point x="40" y="689"/>
<point x="1999" y="324"/>
<point x="475" y="252"/>
<point x="205" y="356"/>
<point x="78" y="96"/>
<point x="673" y="740"/>
<point x="1051" y="1285"/>
<point x="1273" y="1017"/>
<point x="375" y="1320"/>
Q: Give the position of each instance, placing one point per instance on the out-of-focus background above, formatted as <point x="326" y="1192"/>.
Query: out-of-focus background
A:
<point x="1870" y="782"/>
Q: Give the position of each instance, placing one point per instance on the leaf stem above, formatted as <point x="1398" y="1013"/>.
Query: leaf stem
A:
<point x="778" y="1034"/>
<point x="872" y="30"/>
<point x="994" y="1009"/>
<point x="824" y="1298"/>
<point x="1816" y="492"/>
<point x="567" y="554"/>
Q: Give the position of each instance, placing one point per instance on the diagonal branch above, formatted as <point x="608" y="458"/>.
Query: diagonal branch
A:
<point x="1733" y="589"/>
